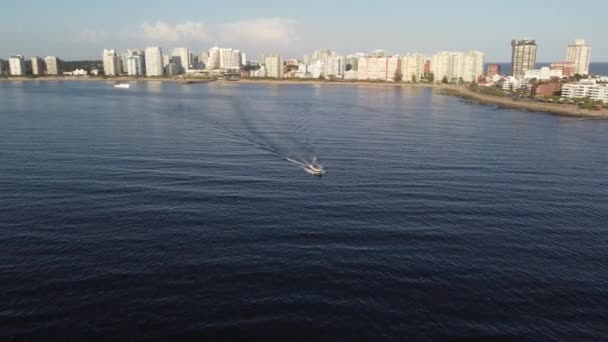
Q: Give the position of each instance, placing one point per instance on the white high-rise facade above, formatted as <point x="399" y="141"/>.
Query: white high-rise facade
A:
<point x="412" y="67"/>
<point x="579" y="53"/>
<point x="154" y="61"/>
<point x="473" y="66"/>
<point x="274" y="66"/>
<point x="134" y="62"/>
<point x="136" y="65"/>
<point x="213" y="61"/>
<point x="52" y="65"/>
<point x="37" y="66"/>
<point x="16" y="65"/>
<point x="229" y="59"/>
<point x="455" y="66"/>
<point x="378" y="68"/>
<point x="111" y="62"/>
<point x="181" y="57"/>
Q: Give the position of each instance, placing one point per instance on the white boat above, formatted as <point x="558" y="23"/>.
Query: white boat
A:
<point x="122" y="85"/>
<point x="316" y="170"/>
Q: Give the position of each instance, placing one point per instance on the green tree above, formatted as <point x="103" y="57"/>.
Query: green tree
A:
<point x="398" y="76"/>
<point x="444" y="80"/>
<point x="414" y="78"/>
<point x="430" y="77"/>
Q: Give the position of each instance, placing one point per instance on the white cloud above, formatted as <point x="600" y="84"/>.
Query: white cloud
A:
<point x="263" y="31"/>
<point x="189" y="31"/>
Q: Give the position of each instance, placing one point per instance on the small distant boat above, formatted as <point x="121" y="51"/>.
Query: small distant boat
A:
<point x="316" y="171"/>
<point x="122" y="85"/>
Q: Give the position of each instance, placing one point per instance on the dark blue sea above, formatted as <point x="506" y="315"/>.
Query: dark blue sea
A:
<point x="170" y="212"/>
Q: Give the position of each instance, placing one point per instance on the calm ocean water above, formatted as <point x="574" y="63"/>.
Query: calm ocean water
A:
<point x="169" y="212"/>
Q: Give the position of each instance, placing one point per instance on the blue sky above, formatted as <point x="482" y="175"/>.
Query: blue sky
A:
<point x="72" y="30"/>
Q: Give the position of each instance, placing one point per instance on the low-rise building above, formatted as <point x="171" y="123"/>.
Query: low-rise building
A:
<point x="493" y="70"/>
<point x="567" y="68"/>
<point x="547" y="89"/>
<point x="542" y="74"/>
<point x="586" y="88"/>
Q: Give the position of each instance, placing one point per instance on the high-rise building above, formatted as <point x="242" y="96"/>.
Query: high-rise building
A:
<point x="523" y="56"/>
<point x="52" y="65"/>
<point x="229" y="59"/>
<point x="154" y="61"/>
<point x="181" y="57"/>
<point x="412" y="67"/>
<point x="579" y="53"/>
<point x="473" y="66"/>
<point x="203" y="59"/>
<point x="136" y="65"/>
<point x="133" y="67"/>
<point x="457" y="66"/>
<point x="111" y="62"/>
<point x="16" y="65"/>
<point x="378" y="68"/>
<point x="493" y="70"/>
<point x="213" y="61"/>
<point x="37" y="66"/>
<point x="243" y="59"/>
<point x="274" y="66"/>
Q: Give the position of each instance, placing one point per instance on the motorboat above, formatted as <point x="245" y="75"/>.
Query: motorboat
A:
<point x="122" y="85"/>
<point x="316" y="170"/>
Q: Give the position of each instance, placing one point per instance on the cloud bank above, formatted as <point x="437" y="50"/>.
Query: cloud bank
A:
<point x="265" y="32"/>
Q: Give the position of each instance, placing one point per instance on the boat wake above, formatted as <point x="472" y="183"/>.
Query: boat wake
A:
<point x="314" y="167"/>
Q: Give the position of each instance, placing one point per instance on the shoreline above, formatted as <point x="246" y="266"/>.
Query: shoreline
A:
<point x="509" y="103"/>
<point x="195" y="80"/>
<point x="444" y="89"/>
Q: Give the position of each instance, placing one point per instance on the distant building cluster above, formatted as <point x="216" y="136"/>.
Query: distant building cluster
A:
<point x="568" y="78"/>
<point x="442" y="67"/>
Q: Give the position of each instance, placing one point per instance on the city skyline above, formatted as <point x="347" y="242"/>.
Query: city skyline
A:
<point x="295" y="30"/>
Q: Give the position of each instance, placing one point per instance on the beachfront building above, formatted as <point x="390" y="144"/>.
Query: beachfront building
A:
<point x="229" y="59"/>
<point x="181" y="57"/>
<point x="136" y="65"/>
<point x="2" y="68"/>
<point x="335" y="67"/>
<point x="457" y="66"/>
<point x="213" y="61"/>
<point x="542" y="74"/>
<point x="274" y="66"/>
<point x="512" y="84"/>
<point x="52" y="65"/>
<point x="586" y="88"/>
<point x="412" y="67"/>
<point x="523" y="56"/>
<point x="378" y="68"/>
<point x="16" y="65"/>
<point x="154" y="61"/>
<point x="111" y="62"/>
<point x="567" y="68"/>
<point x="579" y="53"/>
<point x="37" y="66"/>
